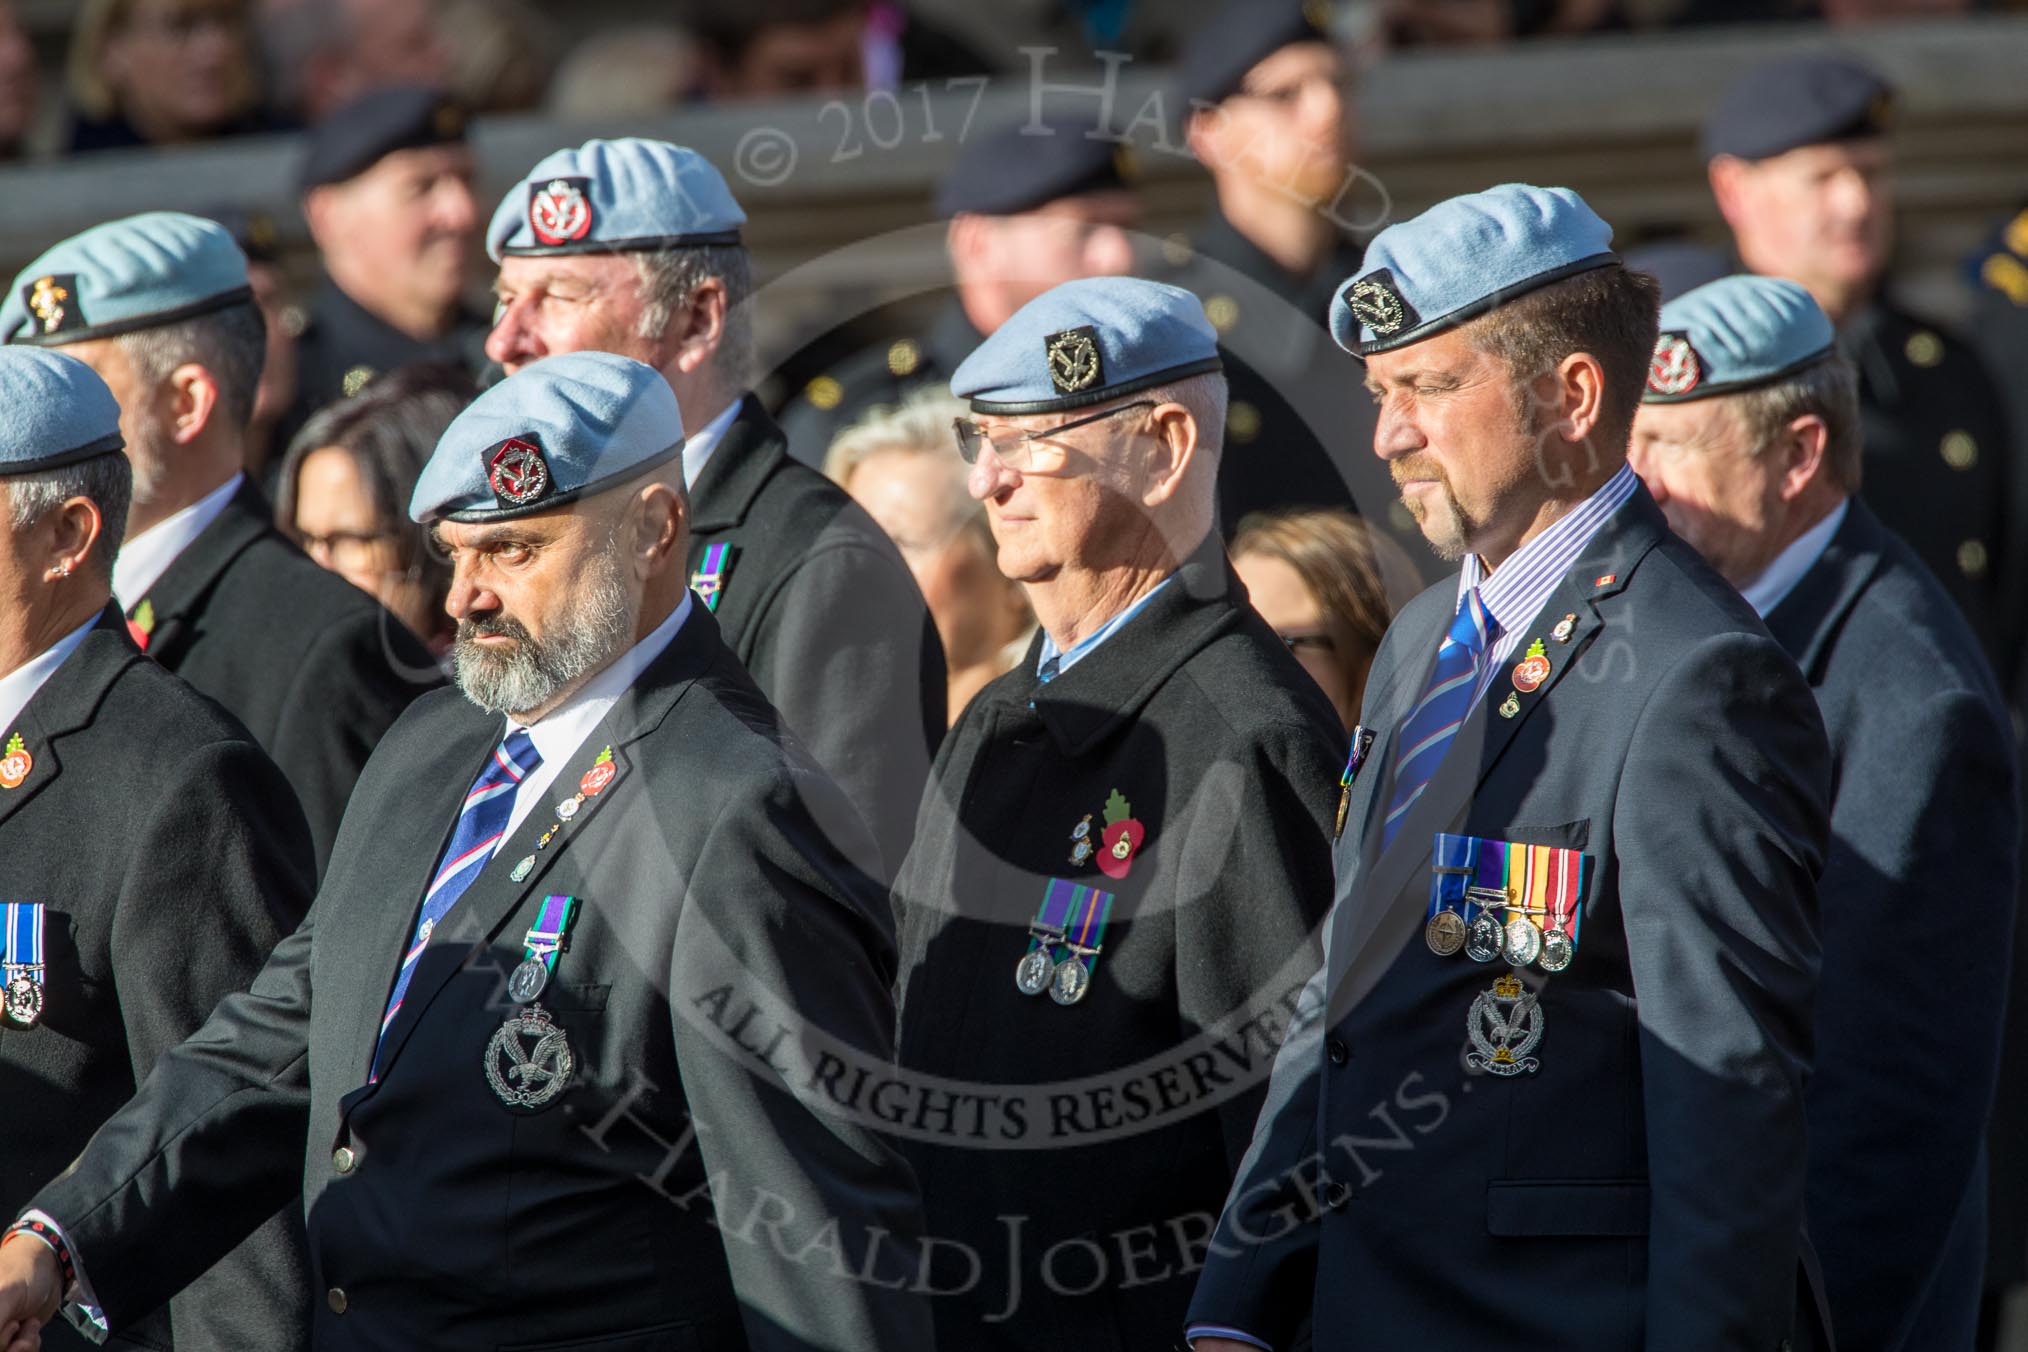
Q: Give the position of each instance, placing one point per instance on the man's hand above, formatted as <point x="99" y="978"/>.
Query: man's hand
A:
<point x="31" y="1285"/>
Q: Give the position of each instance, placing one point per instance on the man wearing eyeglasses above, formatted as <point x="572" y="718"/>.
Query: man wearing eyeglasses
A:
<point x="1123" y="850"/>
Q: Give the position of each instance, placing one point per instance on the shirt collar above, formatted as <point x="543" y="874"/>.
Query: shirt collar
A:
<point x="1089" y="644"/>
<point x="1780" y="577"/>
<point x="1517" y="590"/>
<point x="144" y="558"/>
<point x="18" y="686"/>
<point x="697" y="448"/>
<point x="560" y="731"/>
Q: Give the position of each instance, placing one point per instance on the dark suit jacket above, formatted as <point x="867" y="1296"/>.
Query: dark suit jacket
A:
<point x="713" y="911"/>
<point x="1918" y="910"/>
<point x="1643" y="1188"/>
<point x="171" y="857"/>
<point x="313" y="666"/>
<point x="820" y="607"/>
<point x="1228" y="756"/>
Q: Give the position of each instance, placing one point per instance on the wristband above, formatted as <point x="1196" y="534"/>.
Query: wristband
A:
<point x="48" y="1235"/>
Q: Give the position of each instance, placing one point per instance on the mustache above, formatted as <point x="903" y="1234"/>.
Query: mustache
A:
<point x="1417" y="467"/>
<point x="493" y="626"/>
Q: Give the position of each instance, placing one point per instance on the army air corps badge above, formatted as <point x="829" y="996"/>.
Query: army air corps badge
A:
<point x="559" y="212"/>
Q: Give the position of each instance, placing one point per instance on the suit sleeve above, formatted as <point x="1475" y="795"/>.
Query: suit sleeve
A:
<point x="348" y="690"/>
<point x="847" y="653"/>
<point x="1918" y="902"/>
<point x="208" y="1150"/>
<point x="776" y="909"/>
<point x="1720" y="828"/>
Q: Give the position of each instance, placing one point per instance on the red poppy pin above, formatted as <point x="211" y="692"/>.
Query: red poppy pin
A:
<point x="1122" y="838"/>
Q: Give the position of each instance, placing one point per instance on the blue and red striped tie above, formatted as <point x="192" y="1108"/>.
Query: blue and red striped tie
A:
<point x="1433" y="724"/>
<point x="482" y="823"/>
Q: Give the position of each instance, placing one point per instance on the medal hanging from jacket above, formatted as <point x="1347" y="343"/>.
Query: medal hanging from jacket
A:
<point x="1064" y="940"/>
<point x="22" y="963"/>
<point x="528" y="1061"/>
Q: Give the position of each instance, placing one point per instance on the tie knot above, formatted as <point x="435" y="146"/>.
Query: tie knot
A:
<point x="1047" y="671"/>
<point x="516" y="756"/>
<point x="1474" y="626"/>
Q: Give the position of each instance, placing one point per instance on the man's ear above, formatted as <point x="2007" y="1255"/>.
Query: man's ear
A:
<point x="697" y="327"/>
<point x="1803" y="445"/>
<point x="663" y="536"/>
<point x="1176" y="448"/>
<point x="1727" y="175"/>
<point x="78" y="528"/>
<point x="1580" y="395"/>
<point x="193" y="402"/>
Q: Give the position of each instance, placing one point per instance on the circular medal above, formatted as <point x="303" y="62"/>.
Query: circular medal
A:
<point x="1524" y="941"/>
<point x="1032" y="973"/>
<point x="568" y="807"/>
<point x="527" y="981"/>
<point x="596" y="779"/>
<point x="1445" y="933"/>
<point x="24" y="1000"/>
<point x="1485" y="940"/>
<point x="1557" y="951"/>
<point x="1072" y="980"/>
<point x="525" y="1076"/>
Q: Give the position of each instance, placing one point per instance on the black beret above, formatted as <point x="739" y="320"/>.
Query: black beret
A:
<point x="1020" y="167"/>
<point x="1239" y="37"/>
<point x="356" y="136"/>
<point x="1800" y="101"/>
<point x="252" y="229"/>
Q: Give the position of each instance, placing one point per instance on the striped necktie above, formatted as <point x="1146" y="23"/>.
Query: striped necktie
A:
<point x="1434" y="722"/>
<point x="482" y="822"/>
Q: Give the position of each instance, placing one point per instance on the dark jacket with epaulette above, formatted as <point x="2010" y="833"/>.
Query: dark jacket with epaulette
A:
<point x="1090" y="1144"/>
<point x="817" y="602"/>
<point x="315" y="668"/>
<point x="171" y="857"/>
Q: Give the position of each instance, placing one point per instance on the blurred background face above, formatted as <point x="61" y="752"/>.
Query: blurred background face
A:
<point x="339" y="526"/>
<point x="1293" y="611"/>
<point x="1290" y="125"/>
<point x="180" y="68"/>
<point x="1710" y="481"/>
<point x="798" y="58"/>
<point x="580" y="303"/>
<point x="401" y="235"/>
<point x="18" y="81"/>
<point x="1820" y="215"/>
<point x="1003" y="262"/>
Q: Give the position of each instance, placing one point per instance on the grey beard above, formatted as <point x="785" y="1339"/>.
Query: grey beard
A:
<point x="531" y="674"/>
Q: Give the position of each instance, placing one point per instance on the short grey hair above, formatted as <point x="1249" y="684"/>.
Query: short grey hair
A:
<point x="1206" y="396"/>
<point x="669" y="277"/>
<point x="919" y="425"/>
<point x="232" y="344"/>
<point x="108" y="480"/>
<point x="1828" y="390"/>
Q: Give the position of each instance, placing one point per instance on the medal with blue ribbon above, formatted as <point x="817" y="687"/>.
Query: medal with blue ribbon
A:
<point x="529" y="1061"/>
<point x="1064" y="941"/>
<point x="23" y="963"/>
<point x="709" y="579"/>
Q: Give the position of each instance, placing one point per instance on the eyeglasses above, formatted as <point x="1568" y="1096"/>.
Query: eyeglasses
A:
<point x="1018" y="449"/>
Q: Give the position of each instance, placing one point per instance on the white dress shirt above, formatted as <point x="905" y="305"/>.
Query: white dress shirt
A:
<point x="699" y="445"/>
<point x="144" y="558"/>
<point x="18" y="686"/>
<point x="1779" y="578"/>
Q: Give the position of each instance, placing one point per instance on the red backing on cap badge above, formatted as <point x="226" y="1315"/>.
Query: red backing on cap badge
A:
<point x="517" y="472"/>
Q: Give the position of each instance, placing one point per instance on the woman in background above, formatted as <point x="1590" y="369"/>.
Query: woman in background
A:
<point x="343" y="489"/>
<point x="1319" y="578"/>
<point x="902" y="466"/>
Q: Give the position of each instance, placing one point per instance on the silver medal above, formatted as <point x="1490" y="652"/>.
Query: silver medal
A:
<point x="24" y="998"/>
<point x="1486" y="940"/>
<point x="1557" y="951"/>
<point x="1033" y="973"/>
<point x="525" y="1076"/>
<point x="1505" y="1025"/>
<point x="568" y="807"/>
<point x="528" y="981"/>
<point x="1072" y="981"/>
<point x="522" y="869"/>
<point x="1524" y="941"/>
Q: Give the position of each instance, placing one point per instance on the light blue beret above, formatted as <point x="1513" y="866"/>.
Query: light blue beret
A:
<point x="58" y="411"/>
<point x="1085" y="342"/>
<point x="607" y="196"/>
<point x="1462" y="258"/>
<point x="557" y="430"/>
<point x="138" y="273"/>
<point x="1733" y="334"/>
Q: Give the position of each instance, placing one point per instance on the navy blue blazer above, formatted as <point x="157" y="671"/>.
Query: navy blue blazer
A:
<point x="1918" y="908"/>
<point x="1642" y="1189"/>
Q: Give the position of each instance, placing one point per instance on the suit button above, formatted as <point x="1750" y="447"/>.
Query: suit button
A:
<point x="1337" y="1195"/>
<point x="343" y="1160"/>
<point x="335" y="1298"/>
<point x="1336" y="1049"/>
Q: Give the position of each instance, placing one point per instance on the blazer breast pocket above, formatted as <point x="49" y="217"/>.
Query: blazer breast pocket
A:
<point x="677" y="1337"/>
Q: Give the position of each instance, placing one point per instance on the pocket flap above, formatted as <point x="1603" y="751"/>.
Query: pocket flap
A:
<point x="1606" y="1207"/>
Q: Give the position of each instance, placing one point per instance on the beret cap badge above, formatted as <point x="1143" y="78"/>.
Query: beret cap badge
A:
<point x="1674" y="369"/>
<point x="1377" y="304"/>
<point x="559" y="211"/>
<point x="53" y="301"/>
<point x="1074" y="360"/>
<point x="517" y="472"/>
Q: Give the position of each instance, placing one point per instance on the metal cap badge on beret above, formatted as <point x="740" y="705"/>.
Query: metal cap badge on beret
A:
<point x="1087" y="342"/>
<point x="1028" y="164"/>
<point x="557" y="430"/>
<point x="360" y="134"/>
<point x="1462" y="258"/>
<point x="1239" y="37"/>
<point x="1798" y="101"/>
<point x="607" y="196"/>
<point x="137" y="273"/>
<point x="1734" y="334"/>
<point x="58" y="411"/>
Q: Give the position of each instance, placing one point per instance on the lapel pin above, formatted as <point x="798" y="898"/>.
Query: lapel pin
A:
<point x="1512" y="705"/>
<point x="16" y="763"/>
<point x="1534" y="668"/>
<point x="1565" y="627"/>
